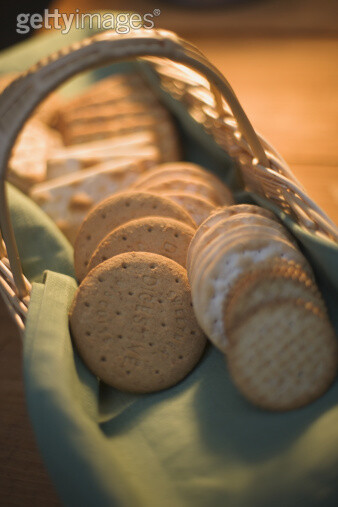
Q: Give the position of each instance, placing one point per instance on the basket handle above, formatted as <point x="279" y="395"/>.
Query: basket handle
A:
<point x="24" y="94"/>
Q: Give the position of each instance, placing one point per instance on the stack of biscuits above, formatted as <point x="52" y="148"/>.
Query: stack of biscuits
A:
<point x="38" y="138"/>
<point x="119" y="105"/>
<point x="190" y="185"/>
<point x="132" y="319"/>
<point x="74" y="153"/>
<point x="255" y="297"/>
<point x="194" y="192"/>
<point x="27" y="165"/>
<point x="113" y="132"/>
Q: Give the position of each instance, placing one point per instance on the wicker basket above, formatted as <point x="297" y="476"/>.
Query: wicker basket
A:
<point x="189" y="77"/>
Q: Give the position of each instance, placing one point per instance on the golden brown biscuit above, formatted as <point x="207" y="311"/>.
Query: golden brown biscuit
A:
<point x="133" y="324"/>
<point x="186" y="184"/>
<point x="187" y="170"/>
<point x="199" y="208"/>
<point x="159" y="235"/>
<point x="76" y="157"/>
<point x="28" y="162"/>
<point x="283" y="355"/>
<point x="87" y="132"/>
<point x="117" y="106"/>
<point x="129" y="86"/>
<point x="107" y="112"/>
<point x="268" y="282"/>
<point x="69" y="198"/>
<point x="115" y="211"/>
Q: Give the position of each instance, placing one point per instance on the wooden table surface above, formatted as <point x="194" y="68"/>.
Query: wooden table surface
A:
<point x="281" y="58"/>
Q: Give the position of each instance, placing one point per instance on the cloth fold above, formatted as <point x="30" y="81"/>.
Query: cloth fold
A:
<point x="199" y="443"/>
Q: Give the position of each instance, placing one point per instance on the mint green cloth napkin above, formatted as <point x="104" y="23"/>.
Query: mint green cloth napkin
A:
<point x="197" y="444"/>
<point x="40" y="243"/>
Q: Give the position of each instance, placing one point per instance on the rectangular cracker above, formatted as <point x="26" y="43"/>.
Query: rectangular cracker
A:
<point x="68" y="199"/>
<point x="110" y="112"/>
<point x="28" y="163"/>
<point x="85" y="132"/>
<point x="111" y="89"/>
<point x="77" y="157"/>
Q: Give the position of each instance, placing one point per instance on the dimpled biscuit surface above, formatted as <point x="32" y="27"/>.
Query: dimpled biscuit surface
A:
<point x="266" y="282"/>
<point x="133" y="323"/>
<point x="115" y="211"/>
<point x="283" y="355"/>
<point x="179" y="169"/>
<point x="198" y="207"/>
<point x="186" y="184"/>
<point x="160" y="235"/>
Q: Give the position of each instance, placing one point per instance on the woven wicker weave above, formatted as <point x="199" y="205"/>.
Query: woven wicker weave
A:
<point x="189" y="77"/>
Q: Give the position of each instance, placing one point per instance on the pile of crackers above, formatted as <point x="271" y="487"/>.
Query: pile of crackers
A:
<point x="73" y="153"/>
<point x="256" y="298"/>
<point x="160" y="269"/>
<point x="132" y="319"/>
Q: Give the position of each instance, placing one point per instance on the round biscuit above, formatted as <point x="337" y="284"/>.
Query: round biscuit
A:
<point x="227" y="225"/>
<point x="230" y="262"/>
<point x="227" y="259"/>
<point x="283" y="355"/>
<point x="133" y="324"/>
<point x="268" y="283"/>
<point x="216" y="250"/>
<point x="223" y="212"/>
<point x="187" y="169"/>
<point x="199" y="208"/>
<point x="159" y="235"/>
<point x="115" y="211"/>
<point x="186" y="184"/>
